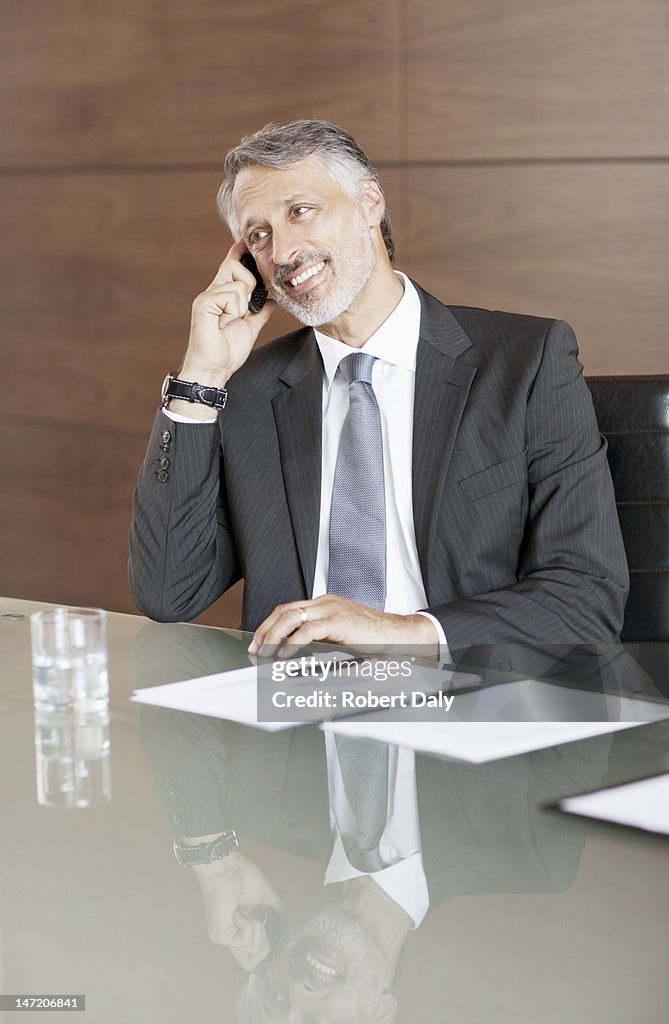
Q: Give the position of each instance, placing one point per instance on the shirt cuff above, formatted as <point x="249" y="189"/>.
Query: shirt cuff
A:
<point x="178" y="418"/>
<point x="444" y="652"/>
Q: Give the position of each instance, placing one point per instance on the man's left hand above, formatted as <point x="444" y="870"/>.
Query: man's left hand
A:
<point x="334" y="619"/>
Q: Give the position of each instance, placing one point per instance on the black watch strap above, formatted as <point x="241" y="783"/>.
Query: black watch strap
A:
<point x="205" y="853"/>
<point x="191" y="391"/>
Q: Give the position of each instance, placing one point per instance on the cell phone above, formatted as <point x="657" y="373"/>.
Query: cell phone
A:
<point x="259" y="293"/>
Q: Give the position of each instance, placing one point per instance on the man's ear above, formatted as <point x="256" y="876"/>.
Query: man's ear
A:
<point x="374" y="203"/>
<point x="387" y="1009"/>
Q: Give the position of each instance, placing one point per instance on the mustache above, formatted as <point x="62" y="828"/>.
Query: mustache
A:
<point x="303" y="259"/>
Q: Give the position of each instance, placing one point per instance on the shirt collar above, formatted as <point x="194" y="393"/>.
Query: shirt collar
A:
<point x="395" y="341"/>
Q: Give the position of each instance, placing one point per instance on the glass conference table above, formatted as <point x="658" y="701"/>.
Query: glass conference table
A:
<point x="524" y="913"/>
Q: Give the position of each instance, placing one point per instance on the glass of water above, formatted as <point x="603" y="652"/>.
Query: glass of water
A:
<point x="69" y="658"/>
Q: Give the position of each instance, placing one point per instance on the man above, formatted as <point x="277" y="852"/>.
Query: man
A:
<point x="469" y="501"/>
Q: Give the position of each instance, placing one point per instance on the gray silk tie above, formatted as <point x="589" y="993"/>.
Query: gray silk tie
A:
<point x="357" y="571"/>
<point x="357" y="568"/>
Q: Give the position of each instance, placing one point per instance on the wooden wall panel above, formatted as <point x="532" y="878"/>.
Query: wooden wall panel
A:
<point x="534" y="78"/>
<point x="97" y="293"/>
<point x="65" y="513"/>
<point x="168" y="81"/>
<point x="115" y="119"/>
<point x="588" y="244"/>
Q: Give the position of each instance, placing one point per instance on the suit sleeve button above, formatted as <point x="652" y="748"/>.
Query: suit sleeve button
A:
<point x="163" y="475"/>
<point x="164" y="462"/>
<point x="166" y="436"/>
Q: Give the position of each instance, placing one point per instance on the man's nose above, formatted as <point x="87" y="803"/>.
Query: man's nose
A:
<point x="285" y="246"/>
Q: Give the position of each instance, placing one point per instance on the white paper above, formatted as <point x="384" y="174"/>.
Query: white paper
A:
<point x="475" y="741"/>
<point x="230" y="695"/>
<point x="643" y="804"/>
<point x="233" y="696"/>
<point x="510" y="727"/>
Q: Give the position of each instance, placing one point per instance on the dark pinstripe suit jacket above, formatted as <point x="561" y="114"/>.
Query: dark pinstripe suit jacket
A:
<point x="515" y="519"/>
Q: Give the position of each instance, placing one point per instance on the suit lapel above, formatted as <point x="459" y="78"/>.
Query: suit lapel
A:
<point x="298" y="413"/>
<point x="443" y="382"/>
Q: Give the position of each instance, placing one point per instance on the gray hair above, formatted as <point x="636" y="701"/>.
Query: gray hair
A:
<point x="276" y="145"/>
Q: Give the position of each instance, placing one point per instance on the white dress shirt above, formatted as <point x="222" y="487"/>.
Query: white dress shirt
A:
<point x="393" y="378"/>
<point x="394" y="375"/>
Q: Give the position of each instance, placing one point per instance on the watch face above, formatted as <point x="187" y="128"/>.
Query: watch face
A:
<point x="163" y="390"/>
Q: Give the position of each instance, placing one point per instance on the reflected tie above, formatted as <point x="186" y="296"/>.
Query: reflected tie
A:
<point x="364" y="768"/>
<point x="357" y="567"/>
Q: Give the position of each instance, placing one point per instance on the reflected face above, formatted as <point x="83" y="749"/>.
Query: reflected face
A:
<point x="311" y="240"/>
<point x="326" y="970"/>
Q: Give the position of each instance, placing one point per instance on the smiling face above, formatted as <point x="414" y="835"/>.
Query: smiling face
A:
<point x="316" y="246"/>
<point x="326" y="969"/>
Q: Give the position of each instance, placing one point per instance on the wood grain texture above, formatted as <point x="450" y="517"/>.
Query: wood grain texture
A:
<point x="109" y="229"/>
<point x="65" y="514"/>
<point x="535" y="78"/>
<point x="164" y="82"/>
<point x="588" y="244"/>
<point x="96" y="290"/>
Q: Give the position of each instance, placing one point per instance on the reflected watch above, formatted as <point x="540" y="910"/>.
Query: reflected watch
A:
<point x="205" y="853"/>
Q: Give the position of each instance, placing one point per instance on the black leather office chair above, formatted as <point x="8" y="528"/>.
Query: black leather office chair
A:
<point x="633" y="415"/>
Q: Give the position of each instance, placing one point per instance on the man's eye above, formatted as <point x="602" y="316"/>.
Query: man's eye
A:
<point x="299" y="210"/>
<point x="257" y="235"/>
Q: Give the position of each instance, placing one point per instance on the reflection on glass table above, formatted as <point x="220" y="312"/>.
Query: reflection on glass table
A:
<point x="72" y="757"/>
<point x="469" y="901"/>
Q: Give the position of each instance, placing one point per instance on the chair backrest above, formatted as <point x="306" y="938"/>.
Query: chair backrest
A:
<point x="633" y="415"/>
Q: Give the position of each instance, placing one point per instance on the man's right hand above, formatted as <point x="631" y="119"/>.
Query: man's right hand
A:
<point x="223" y="332"/>
<point x="234" y="890"/>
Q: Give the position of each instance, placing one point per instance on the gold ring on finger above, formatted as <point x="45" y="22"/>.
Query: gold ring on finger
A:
<point x="303" y="615"/>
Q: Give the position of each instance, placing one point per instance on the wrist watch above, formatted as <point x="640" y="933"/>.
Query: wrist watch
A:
<point x="191" y="391"/>
<point x="205" y="853"/>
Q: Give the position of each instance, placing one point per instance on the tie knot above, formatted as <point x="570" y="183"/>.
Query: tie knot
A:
<point x="358" y="366"/>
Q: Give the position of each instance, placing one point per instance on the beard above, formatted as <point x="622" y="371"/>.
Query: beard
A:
<point x="345" y="938"/>
<point x="347" y="273"/>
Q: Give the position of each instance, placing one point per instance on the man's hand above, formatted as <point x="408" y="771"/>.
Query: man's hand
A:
<point x="339" y="621"/>
<point x="233" y="891"/>
<point x="223" y="332"/>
